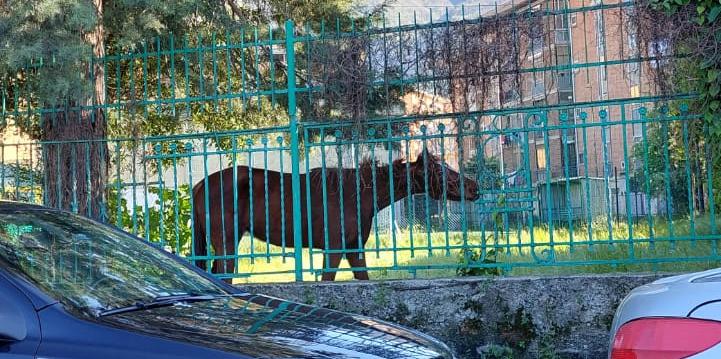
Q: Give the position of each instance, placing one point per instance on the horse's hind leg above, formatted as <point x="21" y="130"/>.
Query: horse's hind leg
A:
<point x="330" y="261"/>
<point x="223" y="247"/>
<point x="358" y="265"/>
<point x="228" y="247"/>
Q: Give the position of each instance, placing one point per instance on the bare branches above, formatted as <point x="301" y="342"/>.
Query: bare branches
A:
<point x="667" y="39"/>
<point x="362" y="74"/>
<point x="343" y="70"/>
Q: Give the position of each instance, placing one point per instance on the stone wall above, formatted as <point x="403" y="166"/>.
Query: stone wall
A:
<point x="528" y="317"/>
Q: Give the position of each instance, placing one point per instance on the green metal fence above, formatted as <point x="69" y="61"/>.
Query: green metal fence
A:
<point x="511" y="139"/>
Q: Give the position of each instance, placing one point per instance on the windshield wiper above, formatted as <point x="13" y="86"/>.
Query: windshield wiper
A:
<point x="164" y="301"/>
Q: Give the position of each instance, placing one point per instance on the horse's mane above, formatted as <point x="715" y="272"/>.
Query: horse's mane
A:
<point x="368" y="163"/>
<point x="363" y="173"/>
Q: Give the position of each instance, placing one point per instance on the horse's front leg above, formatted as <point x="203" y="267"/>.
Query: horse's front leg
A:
<point x="330" y="261"/>
<point x="227" y="248"/>
<point x="357" y="262"/>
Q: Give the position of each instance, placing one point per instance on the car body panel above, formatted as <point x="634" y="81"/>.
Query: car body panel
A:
<point x="66" y="337"/>
<point x="696" y="295"/>
<point x="17" y="310"/>
<point x="37" y="298"/>
<point x="710" y="311"/>
<point x="247" y="327"/>
<point x="268" y="325"/>
<point x="675" y="296"/>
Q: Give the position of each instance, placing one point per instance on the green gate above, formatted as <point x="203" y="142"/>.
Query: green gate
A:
<point x="552" y="109"/>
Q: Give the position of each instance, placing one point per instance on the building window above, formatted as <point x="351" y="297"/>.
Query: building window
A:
<point x="537" y="44"/>
<point x="637" y="127"/>
<point x="633" y="69"/>
<point x="572" y="164"/>
<point x="561" y="23"/>
<point x="562" y="36"/>
<point x="564" y="81"/>
<point x="568" y="135"/>
<point x="560" y="5"/>
<point x="602" y="83"/>
<point x="565" y="96"/>
<point x="541" y="157"/>
<point x="600" y="35"/>
<point x="632" y="38"/>
<point x="539" y="89"/>
<point x="515" y="121"/>
<point x="509" y="96"/>
<point x="635" y="91"/>
<point x="633" y="73"/>
<point x="536" y="32"/>
<point x="563" y="55"/>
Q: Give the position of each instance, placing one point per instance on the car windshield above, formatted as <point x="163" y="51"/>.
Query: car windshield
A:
<point x="89" y="266"/>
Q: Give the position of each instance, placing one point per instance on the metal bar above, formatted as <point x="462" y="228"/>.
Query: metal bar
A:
<point x="295" y="151"/>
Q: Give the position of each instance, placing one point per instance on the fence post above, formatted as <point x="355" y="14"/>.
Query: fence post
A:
<point x="294" y="151"/>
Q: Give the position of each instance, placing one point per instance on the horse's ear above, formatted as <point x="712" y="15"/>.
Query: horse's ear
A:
<point x="427" y="156"/>
<point x="422" y="156"/>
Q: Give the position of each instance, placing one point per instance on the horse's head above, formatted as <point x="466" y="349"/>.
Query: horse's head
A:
<point x="428" y="170"/>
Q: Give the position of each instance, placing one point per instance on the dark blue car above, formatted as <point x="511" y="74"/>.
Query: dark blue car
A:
<point x="74" y="288"/>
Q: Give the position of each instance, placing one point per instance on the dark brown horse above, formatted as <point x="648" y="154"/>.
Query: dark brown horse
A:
<point x="425" y="174"/>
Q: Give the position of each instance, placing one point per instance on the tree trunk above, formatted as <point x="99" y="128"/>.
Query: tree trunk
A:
<point x="75" y="154"/>
<point x="76" y="162"/>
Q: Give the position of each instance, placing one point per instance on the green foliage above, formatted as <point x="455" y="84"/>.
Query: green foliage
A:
<point x="716" y="184"/>
<point x="20" y="183"/>
<point x="34" y="30"/>
<point x="55" y="31"/>
<point x="707" y="63"/>
<point x="46" y="47"/>
<point x="166" y="221"/>
<point x="494" y="351"/>
<point x="23" y="194"/>
<point x="130" y="22"/>
<point x="137" y="126"/>
<point x="707" y="10"/>
<point x="262" y="114"/>
<point x="703" y="65"/>
<point x="467" y="257"/>
<point x="685" y="148"/>
<point x="517" y="328"/>
<point x="22" y="175"/>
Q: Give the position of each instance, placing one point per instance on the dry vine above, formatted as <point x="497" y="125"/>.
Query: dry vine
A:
<point x="466" y="62"/>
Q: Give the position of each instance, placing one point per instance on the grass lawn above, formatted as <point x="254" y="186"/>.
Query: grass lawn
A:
<point x="680" y="245"/>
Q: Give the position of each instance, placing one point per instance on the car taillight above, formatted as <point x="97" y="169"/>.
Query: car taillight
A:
<point x="665" y="338"/>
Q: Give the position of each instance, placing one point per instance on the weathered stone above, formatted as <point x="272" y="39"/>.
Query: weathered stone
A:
<point x="528" y="317"/>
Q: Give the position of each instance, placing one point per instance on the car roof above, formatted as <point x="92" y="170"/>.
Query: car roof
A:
<point x="13" y="206"/>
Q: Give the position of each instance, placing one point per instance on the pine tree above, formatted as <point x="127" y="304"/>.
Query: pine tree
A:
<point x="47" y="49"/>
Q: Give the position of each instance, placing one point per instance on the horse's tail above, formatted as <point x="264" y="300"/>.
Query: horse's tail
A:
<point x="199" y="243"/>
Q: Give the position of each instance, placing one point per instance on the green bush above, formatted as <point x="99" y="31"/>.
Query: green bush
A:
<point x="166" y="221"/>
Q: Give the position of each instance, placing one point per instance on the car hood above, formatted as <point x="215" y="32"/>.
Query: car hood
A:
<point x="264" y="327"/>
